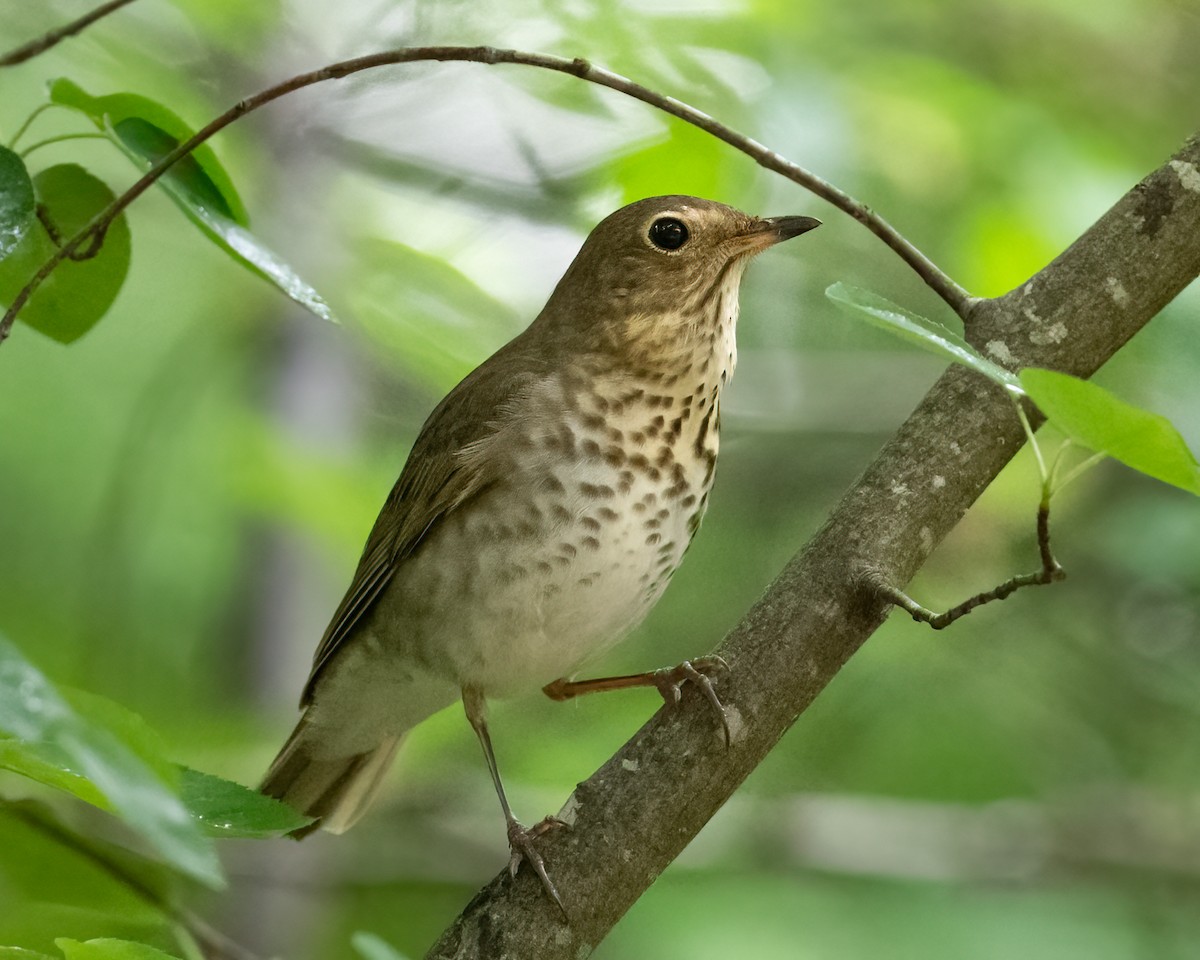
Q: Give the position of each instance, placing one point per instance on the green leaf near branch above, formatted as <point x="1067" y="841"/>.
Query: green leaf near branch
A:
<point x="926" y="333"/>
<point x="51" y="741"/>
<point x="227" y="809"/>
<point x="372" y="947"/>
<point x="146" y="132"/>
<point x="48" y="763"/>
<point x="1095" y="418"/>
<point x="17" y="204"/>
<point x="75" y="296"/>
<point x="106" y="949"/>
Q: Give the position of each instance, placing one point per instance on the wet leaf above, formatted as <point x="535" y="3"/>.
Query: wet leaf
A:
<point x="16" y="201"/>
<point x="146" y="131"/>
<point x="142" y="792"/>
<point x="78" y="293"/>
<point x="228" y="809"/>
<point x="926" y="333"/>
<point x="106" y="949"/>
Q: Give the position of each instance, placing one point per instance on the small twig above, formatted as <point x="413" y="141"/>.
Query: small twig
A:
<point x="942" y="284"/>
<point x="28" y="121"/>
<point x="43" y="43"/>
<point x="51" y="228"/>
<point x="1037" y="450"/>
<point x="1051" y="572"/>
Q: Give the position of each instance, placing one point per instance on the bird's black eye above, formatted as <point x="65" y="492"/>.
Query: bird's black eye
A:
<point x="667" y="233"/>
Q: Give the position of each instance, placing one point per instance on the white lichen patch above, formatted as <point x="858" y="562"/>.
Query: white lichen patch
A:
<point x="999" y="350"/>
<point x="955" y="448"/>
<point x="900" y="489"/>
<point x="570" y="811"/>
<point x="1189" y="176"/>
<point x="926" y="539"/>
<point x="630" y="765"/>
<point x="938" y="481"/>
<point x="1116" y="291"/>
<point x="1055" y="333"/>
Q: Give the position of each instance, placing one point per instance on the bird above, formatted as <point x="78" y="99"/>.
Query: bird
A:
<point x="541" y="512"/>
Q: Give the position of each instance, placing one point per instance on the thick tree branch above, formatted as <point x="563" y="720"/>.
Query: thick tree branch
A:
<point x="636" y="813"/>
<point x="958" y="298"/>
<point x="28" y="51"/>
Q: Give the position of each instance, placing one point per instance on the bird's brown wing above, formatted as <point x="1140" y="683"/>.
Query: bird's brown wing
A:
<point x="436" y="480"/>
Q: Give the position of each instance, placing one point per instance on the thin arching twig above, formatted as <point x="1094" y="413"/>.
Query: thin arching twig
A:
<point x="27" y="51"/>
<point x="1051" y="572"/>
<point x="943" y="285"/>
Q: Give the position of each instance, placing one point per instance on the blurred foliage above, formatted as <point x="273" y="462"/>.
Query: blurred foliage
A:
<point x="183" y="491"/>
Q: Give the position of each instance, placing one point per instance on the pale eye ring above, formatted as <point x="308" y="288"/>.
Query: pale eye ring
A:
<point x="668" y="233"/>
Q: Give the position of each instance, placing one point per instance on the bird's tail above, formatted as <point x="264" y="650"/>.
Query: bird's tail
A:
<point x="336" y="790"/>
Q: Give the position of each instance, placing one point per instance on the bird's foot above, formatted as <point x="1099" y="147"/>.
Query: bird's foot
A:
<point x="521" y="845"/>
<point x="699" y="672"/>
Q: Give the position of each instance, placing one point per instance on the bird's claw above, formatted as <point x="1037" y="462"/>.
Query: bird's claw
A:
<point x="670" y="681"/>
<point x="521" y="847"/>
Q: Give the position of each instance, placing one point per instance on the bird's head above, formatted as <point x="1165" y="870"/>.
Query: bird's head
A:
<point x="663" y="269"/>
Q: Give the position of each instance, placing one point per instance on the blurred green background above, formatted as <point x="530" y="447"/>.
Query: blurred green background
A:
<point x="184" y="492"/>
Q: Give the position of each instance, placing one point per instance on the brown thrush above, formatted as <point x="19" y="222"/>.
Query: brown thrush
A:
<point x="541" y="513"/>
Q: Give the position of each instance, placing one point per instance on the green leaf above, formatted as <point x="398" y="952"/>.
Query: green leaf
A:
<point x="147" y="131"/>
<point x="48" y="763"/>
<point x="372" y="947"/>
<point x="227" y="809"/>
<point x="128" y="726"/>
<point x="16" y="201"/>
<point x="107" y="949"/>
<point x="249" y="251"/>
<point x="46" y="859"/>
<point x="140" y="792"/>
<point x="79" y="292"/>
<point x="1101" y="421"/>
<point x="922" y="331"/>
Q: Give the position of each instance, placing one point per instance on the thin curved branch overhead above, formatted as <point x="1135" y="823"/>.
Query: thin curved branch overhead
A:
<point x="954" y="295"/>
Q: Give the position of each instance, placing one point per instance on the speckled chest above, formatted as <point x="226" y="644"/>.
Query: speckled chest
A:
<point x="606" y="475"/>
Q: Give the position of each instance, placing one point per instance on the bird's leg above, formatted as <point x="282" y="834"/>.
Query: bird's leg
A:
<point x="668" y="681"/>
<point x="520" y="837"/>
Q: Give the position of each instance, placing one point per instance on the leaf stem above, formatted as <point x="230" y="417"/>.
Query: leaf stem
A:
<point x="12" y="144"/>
<point x="61" y="137"/>
<point x="1079" y="470"/>
<point x="1037" y="451"/>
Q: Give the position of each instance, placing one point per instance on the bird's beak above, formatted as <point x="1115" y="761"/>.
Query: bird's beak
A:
<point x="767" y="231"/>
